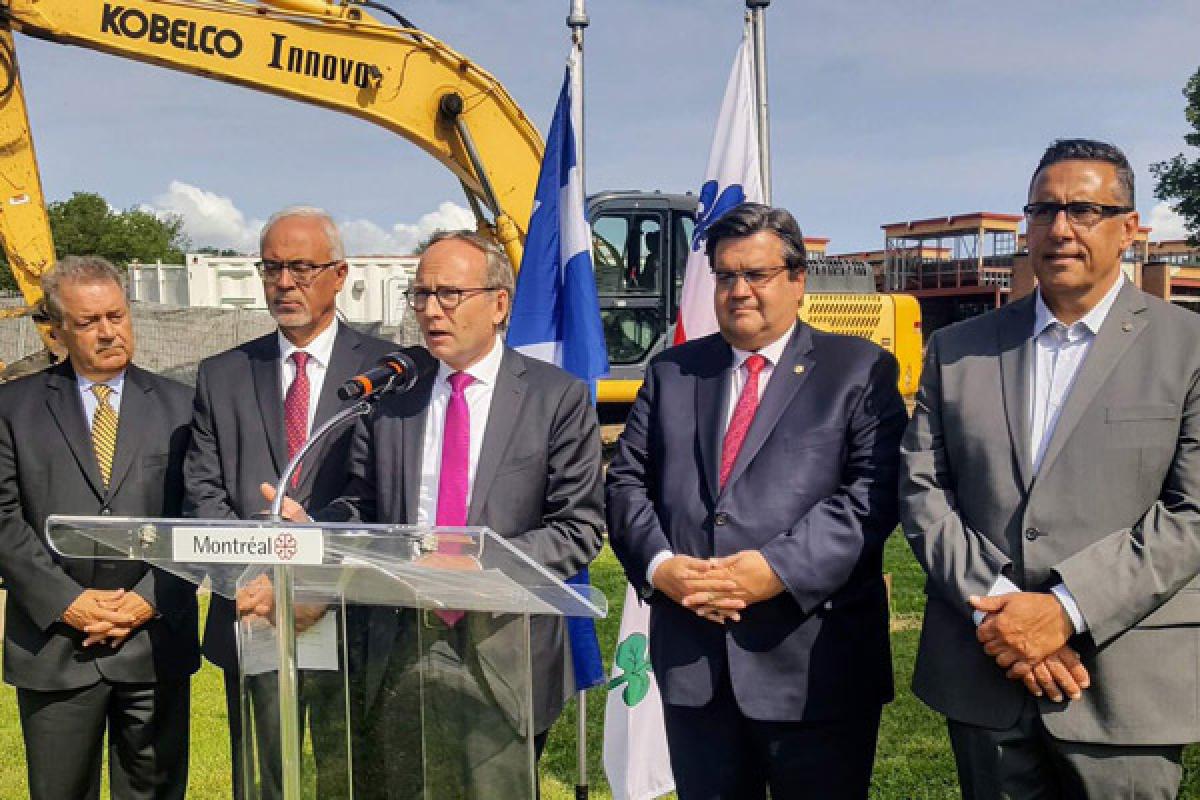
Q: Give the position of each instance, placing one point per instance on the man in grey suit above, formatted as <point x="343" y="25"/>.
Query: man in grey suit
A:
<point x="1052" y="476"/>
<point x="523" y="440"/>
<point x="95" y="645"/>
<point x="255" y="406"/>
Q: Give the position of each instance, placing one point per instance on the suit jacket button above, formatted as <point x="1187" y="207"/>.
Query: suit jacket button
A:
<point x="721" y="518"/>
<point x="1032" y="533"/>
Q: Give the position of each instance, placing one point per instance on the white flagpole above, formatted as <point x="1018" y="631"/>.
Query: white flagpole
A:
<point x="757" y="10"/>
<point x="577" y="21"/>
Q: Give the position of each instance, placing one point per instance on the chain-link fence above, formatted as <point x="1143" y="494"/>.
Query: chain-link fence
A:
<point x="172" y="340"/>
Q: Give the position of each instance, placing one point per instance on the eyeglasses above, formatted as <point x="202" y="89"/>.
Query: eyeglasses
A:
<point x="302" y="272"/>
<point x="1084" y="215"/>
<point x="448" y="297"/>
<point x="755" y="276"/>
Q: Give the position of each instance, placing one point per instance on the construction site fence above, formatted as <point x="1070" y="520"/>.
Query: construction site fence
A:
<point x="172" y="341"/>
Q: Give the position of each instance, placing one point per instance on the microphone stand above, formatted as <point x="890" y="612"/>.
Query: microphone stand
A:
<point x="285" y="610"/>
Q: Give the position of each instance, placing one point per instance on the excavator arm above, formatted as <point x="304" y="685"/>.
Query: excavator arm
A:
<point x="323" y="53"/>
<point x="24" y="227"/>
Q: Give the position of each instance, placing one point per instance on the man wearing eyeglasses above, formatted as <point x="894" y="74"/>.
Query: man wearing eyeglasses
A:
<point x="749" y="500"/>
<point x="491" y="438"/>
<point x="255" y="406"/>
<point x="1052" y="493"/>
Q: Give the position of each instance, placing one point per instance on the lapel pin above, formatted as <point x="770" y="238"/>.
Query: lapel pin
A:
<point x="1127" y="326"/>
<point x="799" y="370"/>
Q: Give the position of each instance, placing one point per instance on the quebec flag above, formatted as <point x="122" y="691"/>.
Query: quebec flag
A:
<point x="733" y="177"/>
<point x="556" y="313"/>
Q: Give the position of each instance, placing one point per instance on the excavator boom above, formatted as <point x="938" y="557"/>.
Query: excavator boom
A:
<point x="325" y="54"/>
<point x="24" y="227"/>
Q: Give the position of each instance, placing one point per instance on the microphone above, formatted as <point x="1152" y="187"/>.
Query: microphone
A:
<point x="396" y="372"/>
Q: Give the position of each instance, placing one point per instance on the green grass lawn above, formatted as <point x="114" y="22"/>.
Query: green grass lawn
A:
<point x="913" y="760"/>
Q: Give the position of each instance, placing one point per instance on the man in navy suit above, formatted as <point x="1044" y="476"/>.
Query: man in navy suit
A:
<point x="749" y="500"/>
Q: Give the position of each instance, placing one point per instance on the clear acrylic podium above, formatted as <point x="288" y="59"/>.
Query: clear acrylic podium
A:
<point x="371" y="655"/>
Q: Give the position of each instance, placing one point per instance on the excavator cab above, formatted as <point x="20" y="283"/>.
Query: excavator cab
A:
<point x="640" y="244"/>
<point x="640" y="247"/>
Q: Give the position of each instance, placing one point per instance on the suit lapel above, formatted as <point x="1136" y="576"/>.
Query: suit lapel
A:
<point x="344" y="364"/>
<point x="413" y="445"/>
<point x="66" y="408"/>
<point x="507" y="399"/>
<point x="136" y="410"/>
<point x="1121" y="327"/>
<point x="786" y="379"/>
<point x="264" y="365"/>
<point x="712" y="388"/>
<point x="1015" y="344"/>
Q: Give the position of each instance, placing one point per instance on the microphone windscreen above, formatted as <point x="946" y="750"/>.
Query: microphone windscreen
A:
<point x="423" y="360"/>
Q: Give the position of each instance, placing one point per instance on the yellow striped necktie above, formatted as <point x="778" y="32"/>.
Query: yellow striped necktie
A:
<point x="104" y="431"/>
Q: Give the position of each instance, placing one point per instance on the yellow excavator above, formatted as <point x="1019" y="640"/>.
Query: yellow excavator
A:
<point x="334" y="54"/>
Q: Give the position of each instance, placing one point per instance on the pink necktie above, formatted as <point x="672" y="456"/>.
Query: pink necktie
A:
<point x="295" y="409"/>
<point x="454" y="477"/>
<point x="743" y="415"/>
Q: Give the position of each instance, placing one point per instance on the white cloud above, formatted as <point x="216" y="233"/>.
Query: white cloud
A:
<point x="213" y="220"/>
<point x="209" y="219"/>
<point x="1166" y="223"/>
<point x="364" y="237"/>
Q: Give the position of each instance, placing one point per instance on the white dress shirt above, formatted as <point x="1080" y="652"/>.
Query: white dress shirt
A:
<point x="479" y="403"/>
<point x="1058" y="352"/>
<point x="772" y="353"/>
<point x="320" y="350"/>
<point x="91" y="402"/>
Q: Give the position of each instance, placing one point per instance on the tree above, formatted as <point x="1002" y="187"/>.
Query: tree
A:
<point x="1178" y="178"/>
<point x="86" y="225"/>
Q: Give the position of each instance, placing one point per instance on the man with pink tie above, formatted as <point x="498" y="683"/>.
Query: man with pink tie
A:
<point x="494" y="439"/>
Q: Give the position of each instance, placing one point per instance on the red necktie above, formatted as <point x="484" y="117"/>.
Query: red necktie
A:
<point x="455" y="475"/>
<point x="295" y="408"/>
<point x="743" y="415"/>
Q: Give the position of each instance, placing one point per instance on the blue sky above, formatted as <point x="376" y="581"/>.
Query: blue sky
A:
<point x="881" y="111"/>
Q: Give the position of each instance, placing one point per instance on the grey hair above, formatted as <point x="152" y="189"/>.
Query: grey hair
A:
<point x="74" y="269"/>
<point x="499" y="270"/>
<point x="337" y="251"/>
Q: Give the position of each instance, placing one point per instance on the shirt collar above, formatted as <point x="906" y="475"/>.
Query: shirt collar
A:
<point x="483" y="371"/>
<point x="116" y="384"/>
<point x="1092" y="320"/>
<point x="772" y="352"/>
<point x="319" y="349"/>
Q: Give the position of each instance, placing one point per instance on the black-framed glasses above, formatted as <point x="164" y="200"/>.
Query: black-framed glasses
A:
<point x="302" y="272"/>
<point x="447" y="296"/>
<point x="755" y="276"/>
<point x="1084" y="215"/>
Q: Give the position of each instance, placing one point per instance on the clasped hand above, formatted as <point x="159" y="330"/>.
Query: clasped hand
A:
<point x="718" y="589"/>
<point x="108" y="615"/>
<point x="1026" y="633"/>
<point x="257" y="600"/>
